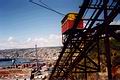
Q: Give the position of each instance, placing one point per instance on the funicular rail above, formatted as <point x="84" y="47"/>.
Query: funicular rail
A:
<point x="75" y="55"/>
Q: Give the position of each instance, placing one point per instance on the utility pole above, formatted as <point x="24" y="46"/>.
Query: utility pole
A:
<point x="36" y="57"/>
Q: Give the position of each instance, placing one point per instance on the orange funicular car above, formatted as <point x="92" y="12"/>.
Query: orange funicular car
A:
<point x="68" y="21"/>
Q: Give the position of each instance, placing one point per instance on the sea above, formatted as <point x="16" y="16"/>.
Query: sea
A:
<point x="16" y="61"/>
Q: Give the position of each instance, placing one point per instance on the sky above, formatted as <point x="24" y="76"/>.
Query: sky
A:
<point x="24" y="24"/>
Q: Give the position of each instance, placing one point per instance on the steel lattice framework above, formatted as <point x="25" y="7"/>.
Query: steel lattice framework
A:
<point x="75" y="57"/>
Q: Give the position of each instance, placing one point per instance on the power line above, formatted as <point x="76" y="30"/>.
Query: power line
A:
<point x="43" y="3"/>
<point x="46" y="7"/>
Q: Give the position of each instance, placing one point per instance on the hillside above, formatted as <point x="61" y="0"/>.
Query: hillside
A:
<point x="44" y="53"/>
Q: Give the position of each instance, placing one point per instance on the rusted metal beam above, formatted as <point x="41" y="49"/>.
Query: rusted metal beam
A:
<point x="80" y="14"/>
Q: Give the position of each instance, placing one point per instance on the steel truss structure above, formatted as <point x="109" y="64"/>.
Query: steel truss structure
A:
<point x="75" y="58"/>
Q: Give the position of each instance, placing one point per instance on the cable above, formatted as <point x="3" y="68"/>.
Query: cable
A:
<point x="43" y="3"/>
<point x="46" y="7"/>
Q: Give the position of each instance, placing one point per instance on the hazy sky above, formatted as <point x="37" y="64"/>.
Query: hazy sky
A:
<point x="24" y="24"/>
